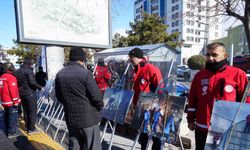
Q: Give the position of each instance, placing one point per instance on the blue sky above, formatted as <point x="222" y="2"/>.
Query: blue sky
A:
<point x="122" y="14"/>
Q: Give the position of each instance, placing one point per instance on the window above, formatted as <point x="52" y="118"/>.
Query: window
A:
<point x="241" y="39"/>
<point x="197" y="40"/>
<point x="174" y="1"/>
<point x="216" y="34"/>
<point x="188" y="6"/>
<point x="173" y="24"/>
<point x="242" y="29"/>
<point x="153" y="8"/>
<point x="216" y="27"/>
<point x="176" y="30"/>
<point x="137" y="17"/>
<point x="152" y="1"/>
<point x="188" y="22"/>
<point x="177" y="23"/>
<point x="189" y="38"/>
<point x="176" y="7"/>
<point x="138" y="10"/>
<point x="197" y="32"/>
<point x="199" y="25"/>
<point x="175" y="16"/>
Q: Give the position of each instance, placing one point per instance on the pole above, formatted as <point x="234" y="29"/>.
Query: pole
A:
<point x="231" y="54"/>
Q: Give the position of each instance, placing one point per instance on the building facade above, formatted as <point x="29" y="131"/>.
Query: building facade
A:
<point x="237" y="37"/>
<point x="196" y="29"/>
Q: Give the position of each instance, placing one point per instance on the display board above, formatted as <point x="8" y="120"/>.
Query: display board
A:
<point x="116" y="104"/>
<point x="84" y="23"/>
<point x="158" y="115"/>
<point x="230" y="126"/>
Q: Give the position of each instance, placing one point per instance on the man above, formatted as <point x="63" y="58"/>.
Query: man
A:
<point x="218" y="81"/>
<point x="76" y="89"/>
<point x="27" y="86"/>
<point x="10" y="99"/>
<point x="146" y="79"/>
<point x="102" y="76"/>
<point x="41" y="77"/>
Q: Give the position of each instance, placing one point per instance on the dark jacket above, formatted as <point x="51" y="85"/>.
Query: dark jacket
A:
<point x="77" y="91"/>
<point x="27" y="84"/>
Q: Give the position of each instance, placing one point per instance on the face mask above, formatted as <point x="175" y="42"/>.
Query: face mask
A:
<point x="214" y="66"/>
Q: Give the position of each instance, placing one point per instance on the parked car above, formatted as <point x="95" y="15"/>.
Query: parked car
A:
<point x="183" y="71"/>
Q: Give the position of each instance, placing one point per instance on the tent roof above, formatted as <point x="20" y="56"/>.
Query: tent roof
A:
<point x="145" y="48"/>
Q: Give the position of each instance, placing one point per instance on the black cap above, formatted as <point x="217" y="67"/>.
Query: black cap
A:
<point x="27" y="61"/>
<point x="77" y="54"/>
<point x="136" y="52"/>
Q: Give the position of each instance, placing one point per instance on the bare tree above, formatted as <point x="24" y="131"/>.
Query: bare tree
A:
<point x="239" y="9"/>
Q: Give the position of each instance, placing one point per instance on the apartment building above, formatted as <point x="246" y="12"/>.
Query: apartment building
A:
<point x="187" y="17"/>
<point x="236" y="37"/>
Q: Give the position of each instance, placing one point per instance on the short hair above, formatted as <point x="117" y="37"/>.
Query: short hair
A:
<point x="214" y="45"/>
<point x="40" y="67"/>
<point x="8" y="66"/>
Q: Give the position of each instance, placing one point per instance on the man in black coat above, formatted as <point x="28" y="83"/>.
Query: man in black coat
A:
<point x="77" y="91"/>
<point x="27" y="86"/>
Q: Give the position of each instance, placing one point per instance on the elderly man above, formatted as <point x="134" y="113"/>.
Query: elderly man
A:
<point x="76" y="89"/>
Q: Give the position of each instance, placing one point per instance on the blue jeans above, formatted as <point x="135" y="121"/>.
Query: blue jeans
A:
<point x="10" y="119"/>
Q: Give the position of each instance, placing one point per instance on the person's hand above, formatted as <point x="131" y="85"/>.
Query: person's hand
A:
<point x="191" y="126"/>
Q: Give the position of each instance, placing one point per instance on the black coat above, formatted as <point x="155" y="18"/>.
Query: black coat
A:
<point x="77" y="91"/>
<point x="27" y="84"/>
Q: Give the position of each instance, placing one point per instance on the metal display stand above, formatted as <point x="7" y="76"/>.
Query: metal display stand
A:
<point x="119" y="85"/>
<point x="166" y="80"/>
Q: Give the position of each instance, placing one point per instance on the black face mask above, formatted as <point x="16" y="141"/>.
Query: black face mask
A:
<point x="214" y="66"/>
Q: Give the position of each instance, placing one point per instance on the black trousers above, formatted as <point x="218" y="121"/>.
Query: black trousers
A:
<point x="10" y="119"/>
<point x="30" y="111"/>
<point x="200" y="139"/>
<point x="144" y="140"/>
<point x="85" y="138"/>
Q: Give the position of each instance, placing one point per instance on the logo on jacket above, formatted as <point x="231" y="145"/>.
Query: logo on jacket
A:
<point x="204" y="90"/>
<point x="143" y="81"/>
<point x="204" y="84"/>
<point x="229" y="88"/>
<point x="13" y="84"/>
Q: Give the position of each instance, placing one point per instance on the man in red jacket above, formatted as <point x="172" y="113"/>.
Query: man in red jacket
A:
<point x="102" y="76"/>
<point x="146" y="79"/>
<point x="10" y="99"/>
<point x="218" y="81"/>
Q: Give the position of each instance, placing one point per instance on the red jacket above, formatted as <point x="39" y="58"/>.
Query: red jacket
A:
<point x="9" y="93"/>
<point x="227" y="84"/>
<point x="146" y="78"/>
<point x="102" y="77"/>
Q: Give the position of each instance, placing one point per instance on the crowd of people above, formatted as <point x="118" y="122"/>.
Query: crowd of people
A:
<point x="81" y="92"/>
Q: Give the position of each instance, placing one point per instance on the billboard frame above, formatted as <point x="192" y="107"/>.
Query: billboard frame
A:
<point x="22" y="38"/>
